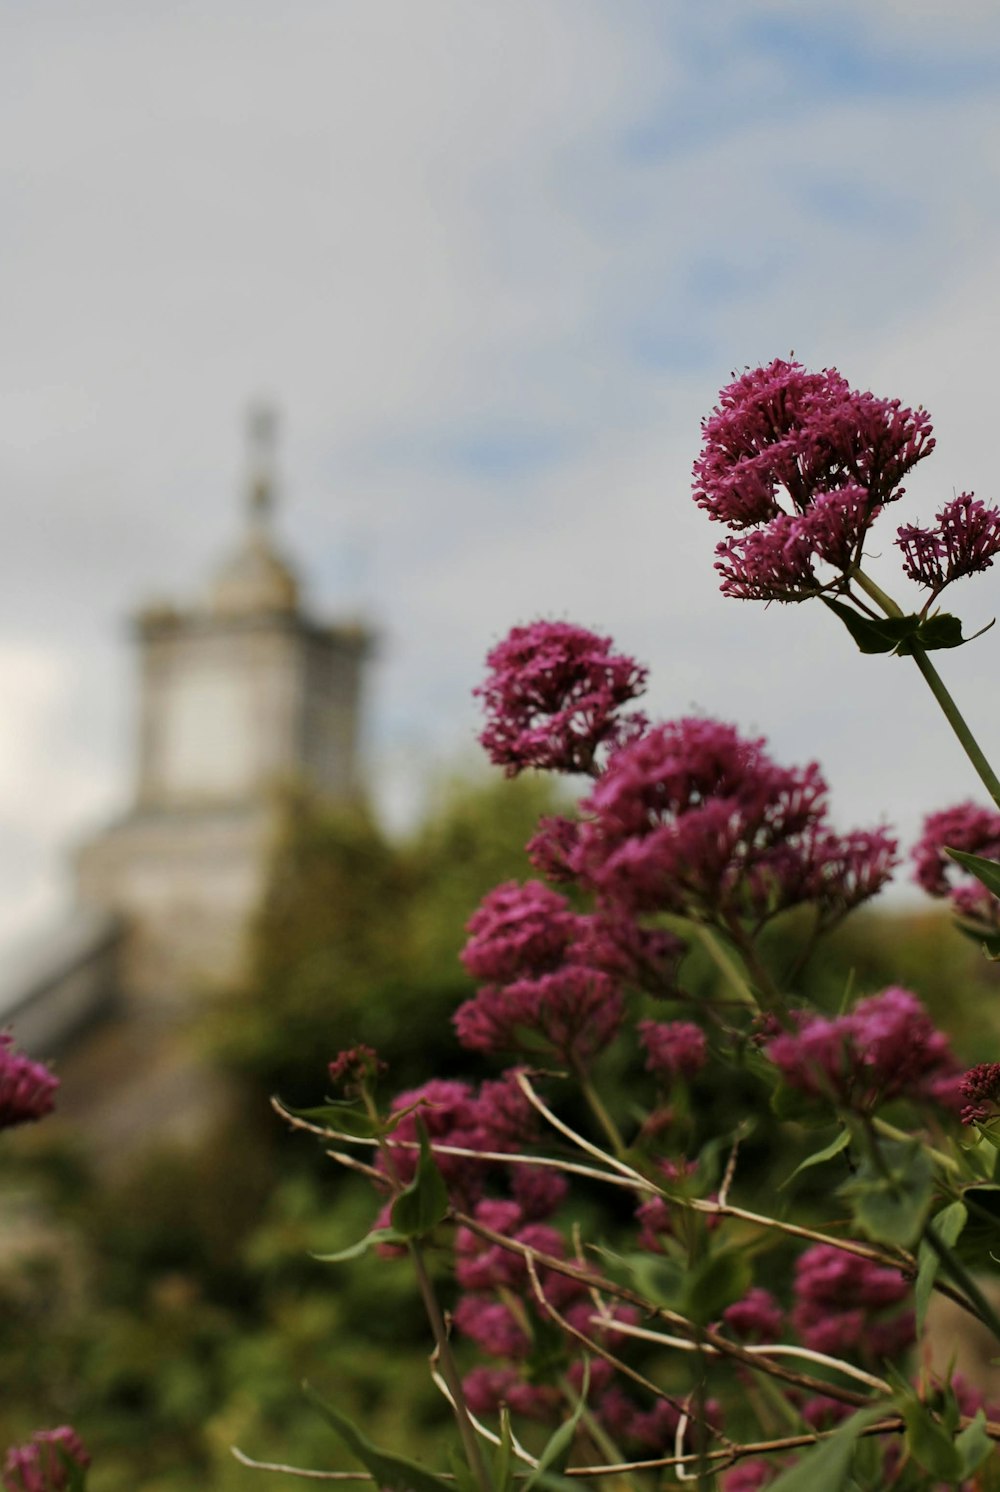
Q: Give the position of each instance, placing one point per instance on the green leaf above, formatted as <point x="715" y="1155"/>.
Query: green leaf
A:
<point x="929" y="1444"/>
<point x="343" y="1116"/>
<point x="75" y="1473"/>
<point x="875" y="635"/>
<point x="948" y="1225"/>
<point x="355" y="1250"/>
<point x="825" y="1468"/>
<point x="986" y="871"/>
<point x="819" y="1156"/>
<point x="389" y="1470"/>
<point x="988" y="941"/>
<point x="940" y="631"/>
<point x="465" y="1481"/>
<point x="556" y="1453"/>
<point x="657" y="1277"/>
<point x="423" y="1204"/>
<point x="503" y="1478"/>
<point x="891" y="1207"/>
<point x="715" y="1282"/>
<point x="974" y="1446"/>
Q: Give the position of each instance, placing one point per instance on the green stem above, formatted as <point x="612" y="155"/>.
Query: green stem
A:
<point x="936" y="684"/>
<point x="449" y="1371"/>
<point x="727" y="966"/>
<point x="768" y="996"/>
<point x="600" y="1113"/>
<point x="958" y="724"/>
<point x="892" y="1133"/>
<point x="952" y="1265"/>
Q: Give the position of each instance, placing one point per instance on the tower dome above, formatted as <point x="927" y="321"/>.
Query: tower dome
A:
<point x="257" y="578"/>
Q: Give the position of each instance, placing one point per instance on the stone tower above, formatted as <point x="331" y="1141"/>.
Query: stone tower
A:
<point x="239" y="695"/>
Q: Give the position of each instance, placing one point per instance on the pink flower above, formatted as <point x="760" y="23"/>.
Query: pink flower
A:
<point x="783" y="430"/>
<point x="550" y="848"/>
<point x="482" y="1266"/>
<point x="547" y="990"/>
<point x="518" y="931"/>
<point x="486" y="1389"/>
<point x="806" y="463"/>
<point x="981" y="1089"/>
<point x="749" y="1476"/>
<point x="355" y="1067"/>
<point x="448" y="1109"/>
<point x="886" y="1047"/>
<point x="756" y="1318"/>
<point x="674" y="1049"/>
<point x="553" y="697"/>
<point x="846" y="1304"/>
<point x="693" y="818"/>
<point x="27" y="1088"/>
<point x="539" y="1190"/>
<point x="965" y="539"/>
<point x="965" y="827"/>
<point x="492" y="1326"/>
<point x="40" y="1466"/>
<point x="572" y="1013"/>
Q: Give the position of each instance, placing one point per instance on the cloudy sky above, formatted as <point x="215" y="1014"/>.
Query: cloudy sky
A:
<point x="493" y="262"/>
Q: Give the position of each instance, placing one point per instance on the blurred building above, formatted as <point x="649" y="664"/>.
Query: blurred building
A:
<point x="240" y="694"/>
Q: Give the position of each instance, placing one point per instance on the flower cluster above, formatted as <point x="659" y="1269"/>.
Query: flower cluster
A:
<point x="43" y="1464"/>
<point x="550" y="985"/>
<point x="496" y="1117"/>
<point x="885" y="1047"/>
<point x="845" y="1304"/>
<point x="674" y="1049"/>
<point x="756" y="1318"/>
<point x="693" y="818"/>
<point x="980" y="1087"/>
<point x="553" y="697"/>
<point x="965" y="827"/>
<point x="965" y="538"/>
<point x="800" y="464"/>
<point x="27" y="1089"/>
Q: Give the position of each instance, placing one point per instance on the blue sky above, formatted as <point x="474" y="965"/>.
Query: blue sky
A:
<point x="493" y="263"/>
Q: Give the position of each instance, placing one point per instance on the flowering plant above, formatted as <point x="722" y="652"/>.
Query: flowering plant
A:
<point x="52" y="1460"/>
<point x="726" y="1335"/>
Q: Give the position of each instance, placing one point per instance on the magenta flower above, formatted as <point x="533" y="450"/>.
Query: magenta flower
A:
<point x="547" y="990"/>
<point x="40" y="1466"/>
<point x="539" y="1190"/>
<point x="572" y="1012"/>
<point x="886" y="1047"/>
<point x="27" y="1088"/>
<point x="482" y="1266"/>
<point x="965" y="827"/>
<point x="518" y="930"/>
<point x="749" y="1476"/>
<point x="485" y="1389"/>
<point x="355" y="1067"/>
<point x="492" y="1326"/>
<point x="806" y="463"/>
<point x="496" y="1118"/>
<point x="756" y="1318"/>
<point x="553" y="697"/>
<point x="551" y="847"/>
<point x="846" y="1304"/>
<point x="980" y="1088"/>
<point x="674" y="1049"/>
<point x="966" y="538"/>
<point x="694" y="819"/>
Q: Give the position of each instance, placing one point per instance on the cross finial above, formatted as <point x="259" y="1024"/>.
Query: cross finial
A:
<point x="262" y="424"/>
